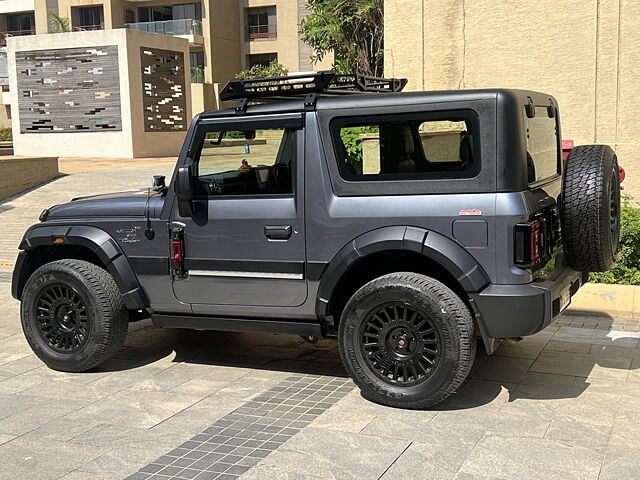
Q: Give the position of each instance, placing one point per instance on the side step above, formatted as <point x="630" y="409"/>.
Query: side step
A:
<point x="238" y="325"/>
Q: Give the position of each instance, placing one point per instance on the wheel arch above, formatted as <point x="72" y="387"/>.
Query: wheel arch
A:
<point x="427" y="251"/>
<point x="79" y="242"/>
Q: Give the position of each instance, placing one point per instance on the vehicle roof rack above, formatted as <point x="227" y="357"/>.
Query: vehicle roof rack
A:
<point x="308" y="85"/>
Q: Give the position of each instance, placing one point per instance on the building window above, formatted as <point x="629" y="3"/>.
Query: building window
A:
<point x="21" y="23"/>
<point x="129" y="16"/>
<point x="196" y="61"/>
<point x="154" y="14"/>
<point x="261" y="23"/>
<point x="264" y="59"/>
<point x="189" y="11"/>
<point x="90" y="18"/>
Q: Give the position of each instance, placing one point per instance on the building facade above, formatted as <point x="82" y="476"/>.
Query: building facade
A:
<point x="584" y="52"/>
<point x="225" y="36"/>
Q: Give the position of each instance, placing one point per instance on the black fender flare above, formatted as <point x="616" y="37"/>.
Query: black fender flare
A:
<point x="435" y="246"/>
<point x="99" y="242"/>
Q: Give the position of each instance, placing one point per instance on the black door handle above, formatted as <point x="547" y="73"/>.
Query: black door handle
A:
<point x="277" y="232"/>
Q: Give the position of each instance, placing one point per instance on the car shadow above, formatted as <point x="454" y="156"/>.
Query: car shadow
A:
<point x="147" y="344"/>
<point x="556" y="363"/>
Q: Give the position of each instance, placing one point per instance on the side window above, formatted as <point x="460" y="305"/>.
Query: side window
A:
<point x="404" y="148"/>
<point x="255" y="162"/>
<point x="543" y="154"/>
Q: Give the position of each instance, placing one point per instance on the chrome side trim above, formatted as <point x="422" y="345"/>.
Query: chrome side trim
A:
<point x="225" y="273"/>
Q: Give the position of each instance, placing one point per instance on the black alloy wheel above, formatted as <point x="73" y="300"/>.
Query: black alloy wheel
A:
<point x="401" y="344"/>
<point x="62" y="318"/>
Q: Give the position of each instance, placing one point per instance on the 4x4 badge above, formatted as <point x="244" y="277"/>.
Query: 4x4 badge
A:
<point x="473" y="211"/>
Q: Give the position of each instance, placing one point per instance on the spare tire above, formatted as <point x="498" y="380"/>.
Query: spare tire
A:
<point x="590" y="211"/>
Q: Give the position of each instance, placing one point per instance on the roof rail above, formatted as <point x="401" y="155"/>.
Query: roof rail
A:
<point x="303" y="84"/>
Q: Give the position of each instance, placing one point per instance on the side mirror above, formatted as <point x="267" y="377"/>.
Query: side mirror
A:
<point x="159" y="184"/>
<point x="185" y="190"/>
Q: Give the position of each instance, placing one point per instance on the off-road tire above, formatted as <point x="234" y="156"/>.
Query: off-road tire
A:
<point x="590" y="210"/>
<point x="106" y="317"/>
<point x="446" y="312"/>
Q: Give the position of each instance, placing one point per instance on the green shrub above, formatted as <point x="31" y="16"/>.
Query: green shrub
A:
<point x="626" y="269"/>
<point x="352" y="140"/>
<point x="274" y="69"/>
<point x="6" y="135"/>
<point x="58" y="24"/>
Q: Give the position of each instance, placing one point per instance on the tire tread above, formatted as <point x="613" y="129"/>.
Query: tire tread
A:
<point x="110" y="310"/>
<point x="585" y="200"/>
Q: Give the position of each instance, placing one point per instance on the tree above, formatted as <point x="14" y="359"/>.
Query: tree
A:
<point x="274" y="69"/>
<point x="58" y="24"/>
<point x="352" y="29"/>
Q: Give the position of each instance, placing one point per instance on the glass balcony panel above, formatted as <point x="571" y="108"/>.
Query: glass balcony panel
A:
<point x="169" y="27"/>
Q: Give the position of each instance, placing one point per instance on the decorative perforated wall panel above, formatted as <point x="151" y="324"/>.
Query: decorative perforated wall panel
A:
<point x="69" y="90"/>
<point x="163" y="86"/>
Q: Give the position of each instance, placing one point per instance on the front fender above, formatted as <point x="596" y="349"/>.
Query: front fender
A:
<point x="442" y="250"/>
<point x="93" y="238"/>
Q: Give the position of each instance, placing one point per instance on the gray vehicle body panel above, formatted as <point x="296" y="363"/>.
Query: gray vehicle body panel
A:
<point x="237" y="272"/>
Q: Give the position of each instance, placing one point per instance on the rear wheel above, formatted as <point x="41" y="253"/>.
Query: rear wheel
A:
<point x="407" y="340"/>
<point x="591" y="208"/>
<point x="73" y="315"/>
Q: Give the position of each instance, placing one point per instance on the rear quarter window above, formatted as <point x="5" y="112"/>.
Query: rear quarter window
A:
<point x="543" y="146"/>
<point x="400" y="147"/>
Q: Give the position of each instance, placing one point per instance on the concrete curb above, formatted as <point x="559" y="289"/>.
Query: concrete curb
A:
<point x="621" y="301"/>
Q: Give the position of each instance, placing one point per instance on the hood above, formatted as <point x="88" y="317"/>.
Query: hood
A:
<point x="123" y="204"/>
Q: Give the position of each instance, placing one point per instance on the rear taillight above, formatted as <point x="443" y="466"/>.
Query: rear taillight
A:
<point x="528" y="244"/>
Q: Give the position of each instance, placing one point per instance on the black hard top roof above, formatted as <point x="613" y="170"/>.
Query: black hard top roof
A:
<point x="358" y="101"/>
<point x="328" y="90"/>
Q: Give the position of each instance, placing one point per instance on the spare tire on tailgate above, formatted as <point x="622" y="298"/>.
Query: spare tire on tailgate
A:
<point x="590" y="217"/>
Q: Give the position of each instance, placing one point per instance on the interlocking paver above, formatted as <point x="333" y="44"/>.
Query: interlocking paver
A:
<point x="429" y="461"/>
<point x="620" y="464"/>
<point x="515" y="458"/>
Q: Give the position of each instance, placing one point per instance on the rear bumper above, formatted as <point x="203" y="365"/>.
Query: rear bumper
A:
<point x="506" y="311"/>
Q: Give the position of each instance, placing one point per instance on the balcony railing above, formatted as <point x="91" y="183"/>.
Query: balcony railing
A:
<point x="86" y="28"/>
<point x="261" y="32"/>
<point x="169" y="27"/>
<point x="13" y="33"/>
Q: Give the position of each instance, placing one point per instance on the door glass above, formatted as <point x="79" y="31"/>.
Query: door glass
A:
<point x="256" y="162"/>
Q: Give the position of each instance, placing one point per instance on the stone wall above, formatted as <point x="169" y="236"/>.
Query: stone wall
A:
<point x="18" y="174"/>
<point x="584" y="52"/>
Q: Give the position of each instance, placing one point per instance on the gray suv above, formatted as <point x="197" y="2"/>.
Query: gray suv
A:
<point x="407" y="225"/>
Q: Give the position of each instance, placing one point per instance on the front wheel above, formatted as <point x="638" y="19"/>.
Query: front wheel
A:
<point x="407" y="340"/>
<point x="73" y="315"/>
